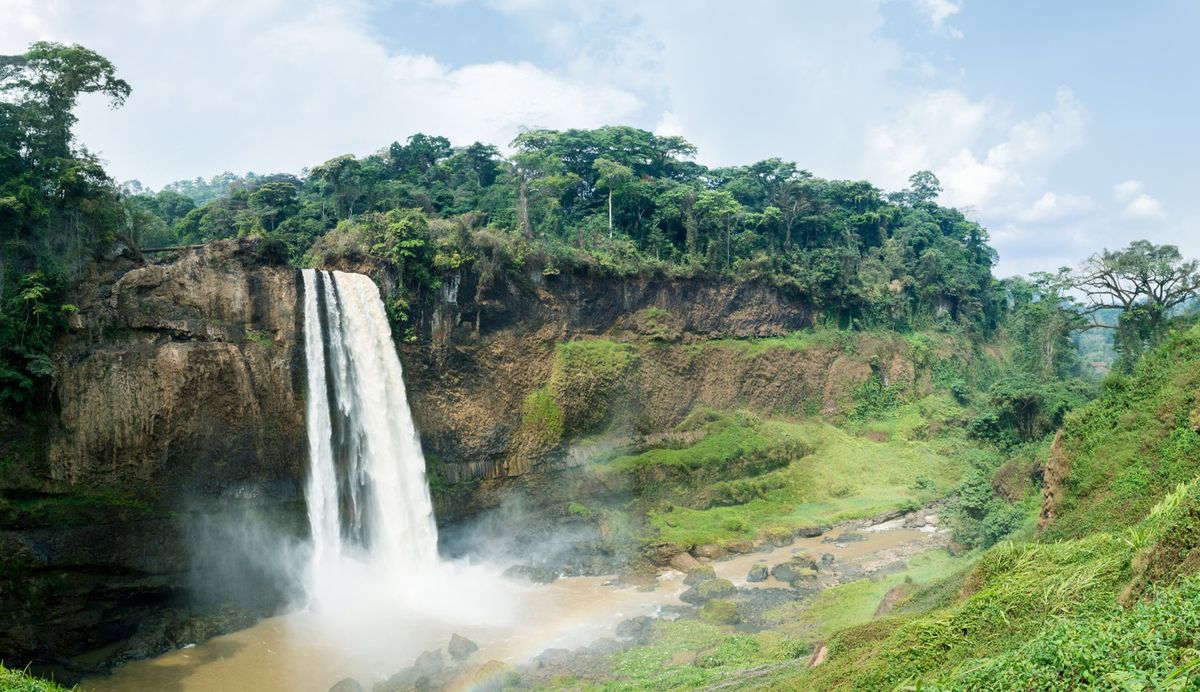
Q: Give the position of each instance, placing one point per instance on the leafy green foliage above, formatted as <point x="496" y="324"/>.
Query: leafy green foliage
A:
<point x="1133" y="444"/>
<point x="1021" y="409"/>
<point x="19" y="681"/>
<point x="1154" y="646"/>
<point x="623" y="201"/>
<point x="979" y="517"/>
<point x="57" y="206"/>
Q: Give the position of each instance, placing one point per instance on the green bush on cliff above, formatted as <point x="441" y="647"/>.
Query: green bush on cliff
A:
<point x="541" y="417"/>
<point x="586" y="375"/>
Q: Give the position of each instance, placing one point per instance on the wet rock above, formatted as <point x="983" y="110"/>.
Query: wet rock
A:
<point x="347" y="685"/>
<point x="710" y="551"/>
<point x="827" y="559"/>
<point x="706" y="591"/>
<point x="914" y="520"/>
<point x="755" y="606"/>
<point x="740" y="547"/>
<point x="684" y="562"/>
<point x="698" y="574"/>
<point x="784" y="571"/>
<point x="800" y="566"/>
<point x="846" y="537"/>
<point x="720" y="611"/>
<point x="174" y="628"/>
<point x="888" y="525"/>
<point x="850" y="573"/>
<point x="461" y="648"/>
<point x="492" y="676"/>
<point x="606" y="646"/>
<point x="532" y="574"/>
<point x="891" y="568"/>
<point x="428" y="663"/>
<point x="757" y="573"/>
<point x="660" y="553"/>
<point x="810" y="531"/>
<point x="638" y="629"/>
<point x="552" y="658"/>
<point x="779" y="538"/>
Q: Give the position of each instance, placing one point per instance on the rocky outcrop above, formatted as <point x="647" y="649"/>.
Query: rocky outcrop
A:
<point x="178" y="419"/>
<point x="478" y="353"/>
<point x="481" y="349"/>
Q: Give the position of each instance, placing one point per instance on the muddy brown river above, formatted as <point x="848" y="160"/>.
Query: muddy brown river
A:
<point x="302" y="651"/>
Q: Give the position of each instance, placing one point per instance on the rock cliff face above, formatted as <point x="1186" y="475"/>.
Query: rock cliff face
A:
<point x="179" y="409"/>
<point x="179" y="422"/>
<point x="482" y="351"/>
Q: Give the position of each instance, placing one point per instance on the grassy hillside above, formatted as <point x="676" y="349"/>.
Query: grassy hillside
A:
<point x="1105" y="597"/>
<point x="1121" y="454"/>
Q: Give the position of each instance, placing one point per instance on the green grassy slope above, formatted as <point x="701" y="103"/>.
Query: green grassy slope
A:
<point x="1106" y="597"/>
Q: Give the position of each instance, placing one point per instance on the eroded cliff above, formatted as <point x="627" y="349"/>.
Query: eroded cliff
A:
<point x="177" y="410"/>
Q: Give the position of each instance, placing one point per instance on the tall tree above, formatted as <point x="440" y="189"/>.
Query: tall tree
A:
<point x="613" y="176"/>
<point x="1144" y="282"/>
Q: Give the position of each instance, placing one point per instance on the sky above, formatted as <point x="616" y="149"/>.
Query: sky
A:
<point x="1064" y="127"/>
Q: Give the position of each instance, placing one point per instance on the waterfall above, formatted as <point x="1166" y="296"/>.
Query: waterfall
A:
<point x="368" y="502"/>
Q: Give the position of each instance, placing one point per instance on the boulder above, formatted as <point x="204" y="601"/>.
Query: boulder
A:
<point x="706" y="591"/>
<point x="461" y="648"/>
<point x="552" y="658"/>
<point x="607" y="645"/>
<point x="779" y="538"/>
<point x="740" y="547"/>
<point x="758" y="573"/>
<point x="698" y="574"/>
<point x="638" y="629"/>
<point x="720" y="611"/>
<point x="826" y="559"/>
<point x="710" y="551"/>
<point x="846" y="537"/>
<point x="428" y="663"/>
<point x="800" y="567"/>
<point x="533" y="574"/>
<point x="684" y="562"/>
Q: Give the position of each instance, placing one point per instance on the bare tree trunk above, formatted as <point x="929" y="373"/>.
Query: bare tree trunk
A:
<point x="610" y="224"/>
<point x="523" y="208"/>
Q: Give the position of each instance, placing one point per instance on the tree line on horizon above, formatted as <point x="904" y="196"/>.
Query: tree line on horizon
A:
<point x="615" y="200"/>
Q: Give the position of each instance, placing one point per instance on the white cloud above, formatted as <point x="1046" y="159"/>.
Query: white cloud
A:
<point x="942" y="131"/>
<point x="1145" y="207"/>
<point x="1054" y="207"/>
<point x="937" y="12"/>
<point x="1126" y="190"/>
<point x="1137" y="204"/>
<point x="294" y="83"/>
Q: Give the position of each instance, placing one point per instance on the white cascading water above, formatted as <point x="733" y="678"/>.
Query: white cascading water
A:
<point x="368" y="501"/>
